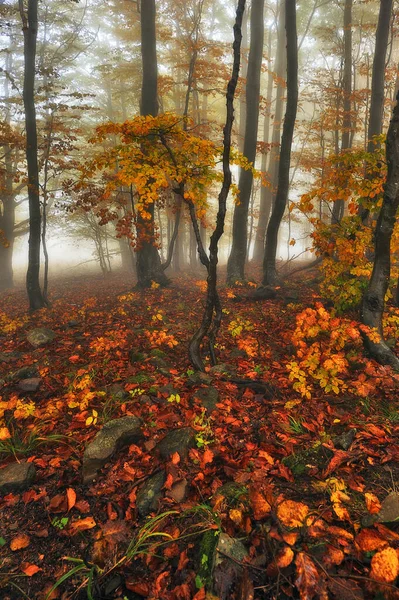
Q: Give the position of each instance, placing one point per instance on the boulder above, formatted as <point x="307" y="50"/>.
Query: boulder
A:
<point x="26" y="372"/>
<point x="40" y="336"/>
<point x="197" y="378"/>
<point x="112" y="437"/>
<point x="30" y="385"/>
<point x="8" y="357"/>
<point x="208" y="397"/>
<point x="177" y="440"/>
<point x="150" y="493"/>
<point x="17" y="477"/>
<point x="389" y="509"/>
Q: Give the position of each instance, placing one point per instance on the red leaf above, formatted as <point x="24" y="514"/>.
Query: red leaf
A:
<point x="71" y="497"/>
<point x="339" y="457"/>
<point x="29" y="569"/>
<point x="307" y="580"/>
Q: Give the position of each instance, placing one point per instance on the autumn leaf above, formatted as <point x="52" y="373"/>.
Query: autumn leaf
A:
<point x="292" y="514"/>
<point x="372" y="503"/>
<point x="235" y="515"/>
<point x="4" y="434"/>
<point x="370" y="540"/>
<point x="307" y="579"/>
<point x="29" y="569"/>
<point x="71" y="497"/>
<point x="285" y="557"/>
<point x="260" y="506"/>
<point x="19" y="542"/>
<point x="385" y="565"/>
<point x="82" y="525"/>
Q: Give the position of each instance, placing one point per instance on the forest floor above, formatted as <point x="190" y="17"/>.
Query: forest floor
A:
<point x="264" y="495"/>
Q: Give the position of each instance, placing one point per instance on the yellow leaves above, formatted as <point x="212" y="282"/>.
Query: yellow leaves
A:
<point x="385" y="565"/>
<point x="159" y="338"/>
<point x="338" y="498"/>
<point x="92" y="420"/>
<point x="292" y="514"/>
<point x="24" y="410"/>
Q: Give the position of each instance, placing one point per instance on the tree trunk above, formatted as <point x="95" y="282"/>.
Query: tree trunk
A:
<point x="339" y="205"/>
<point x="266" y="193"/>
<point x="148" y="263"/>
<point x="377" y="84"/>
<point x="29" y="26"/>
<point x="374" y="297"/>
<point x="244" y="68"/>
<point x="269" y="263"/>
<point x="238" y="255"/>
<point x="212" y="315"/>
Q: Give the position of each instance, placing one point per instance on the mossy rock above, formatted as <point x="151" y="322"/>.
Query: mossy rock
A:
<point x="303" y="461"/>
<point x="205" y="558"/>
<point x="232" y="492"/>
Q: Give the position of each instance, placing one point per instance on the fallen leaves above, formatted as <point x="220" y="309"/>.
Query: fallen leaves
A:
<point x="20" y="541"/>
<point x="385" y="565"/>
<point x="82" y="525"/>
<point x="292" y="514"/>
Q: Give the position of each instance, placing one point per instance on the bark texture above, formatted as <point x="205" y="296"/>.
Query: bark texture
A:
<point x="29" y="26"/>
<point x="269" y="263"/>
<point x="238" y="255"/>
<point x="212" y="315"/>
<point x="148" y="262"/>
<point x="373" y="301"/>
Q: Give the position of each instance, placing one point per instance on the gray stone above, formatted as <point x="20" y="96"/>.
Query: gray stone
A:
<point x="264" y="292"/>
<point x="197" y="378"/>
<point x="17" y="477"/>
<point x="161" y="365"/>
<point x="177" y="440"/>
<point x="112" y="437"/>
<point x="345" y="440"/>
<point x="135" y="356"/>
<point x="228" y="547"/>
<point x="389" y="509"/>
<point x="30" y="385"/>
<point x="8" y="357"/>
<point x="223" y="368"/>
<point x="40" y="336"/>
<point x="26" y="372"/>
<point x="150" y="493"/>
<point x="208" y="396"/>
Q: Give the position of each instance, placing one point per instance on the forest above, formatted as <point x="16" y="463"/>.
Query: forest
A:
<point x="199" y="300"/>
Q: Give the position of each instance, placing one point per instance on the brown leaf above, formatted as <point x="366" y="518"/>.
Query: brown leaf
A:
<point x="116" y="531"/>
<point x="285" y="557"/>
<point x="19" y="541"/>
<point x="58" y="504"/>
<point x="307" y="580"/>
<point x="372" y="503"/>
<point x="71" y="498"/>
<point x="345" y="589"/>
<point x="260" y="505"/>
<point x="82" y="506"/>
<point x="339" y="457"/>
<point x="333" y="555"/>
<point x="82" y="525"/>
<point x="292" y="514"/>
<point x="370" y="540"/>
<point x="385" y="565"/>
<point x="29" y="569"/>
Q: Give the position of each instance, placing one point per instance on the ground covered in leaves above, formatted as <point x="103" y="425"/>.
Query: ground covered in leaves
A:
<point x="263" y="493"/>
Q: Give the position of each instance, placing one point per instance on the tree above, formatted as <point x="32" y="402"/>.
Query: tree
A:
<point x="269" y="263"/>
<point x="374" y="298"/>
<point x="148" y="261"/>
<point x="29" y="26"/>
<point x="238" y="254"/>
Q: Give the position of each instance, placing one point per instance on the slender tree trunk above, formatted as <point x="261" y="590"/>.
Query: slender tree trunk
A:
<point x="212" y="315"/>
<point x="244" y="69"/>
<point x="266" y="192"/>
<point x="378" y="84"/>
<point x="269" y="264"/>
<point x="339" y="205"/>
<point x="238" y="255"/>
<point x="148" y="263"/>
<point x="29" y="26"/>
<point x="374" y="298"/>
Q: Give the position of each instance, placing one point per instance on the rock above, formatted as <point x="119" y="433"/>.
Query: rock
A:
<point x="150" y="493"/>
<point x="161" y="365"/>
<point x="118" y="392"/>
<point x="208" y="396"/>
<point x="223" y="368"/>
<point x="112" y="437"/>
<point x="197" y="378"/>
<point x="345" y="440"/>
<point x="73" y="323"/>
<point x="233" y="492"/>
<point x="40" y="336"/>
<point x="30" y="385"/>
<point x="389" y="509"/>
<point x="17" y="477"/>
<point x="26" y="372"/>
<point x="168" y="390"/>
<point x="264" y="292"/>
<point x="228" y="547"/>
<point x="8" y="357"/>
<point x="177" y="440"/>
